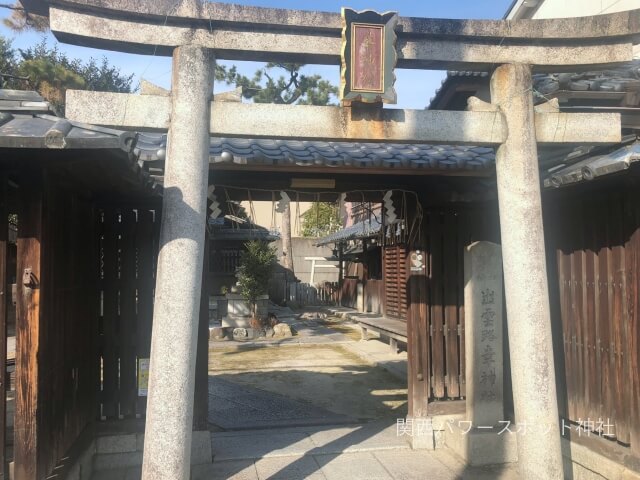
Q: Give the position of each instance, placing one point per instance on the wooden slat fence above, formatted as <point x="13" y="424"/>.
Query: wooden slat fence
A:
<point x="56" y="321"/>
<point x="394" y="272"/>
<point x="374" y="296"/>
<point x="304" y="294"/>
<point x="350" y="292"/>
<point x="447" y="233"/>
<point x="597" y="260"/>
<point x="128" y="254"/>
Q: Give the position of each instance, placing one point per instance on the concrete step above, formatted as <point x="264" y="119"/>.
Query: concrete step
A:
<point x="121" y="452"/>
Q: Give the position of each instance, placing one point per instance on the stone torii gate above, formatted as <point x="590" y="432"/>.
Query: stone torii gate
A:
<point x="196" y="33"/>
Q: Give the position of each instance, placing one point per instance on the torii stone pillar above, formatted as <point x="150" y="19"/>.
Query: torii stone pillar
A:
<point x="525" y="277"/>
<point x="167" y="445"/>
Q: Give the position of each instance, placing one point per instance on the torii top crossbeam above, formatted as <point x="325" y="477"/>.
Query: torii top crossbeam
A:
<point x="267" y="34"/>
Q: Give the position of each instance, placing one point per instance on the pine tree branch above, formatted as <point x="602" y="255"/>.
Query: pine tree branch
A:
<point x="12" y="7"/>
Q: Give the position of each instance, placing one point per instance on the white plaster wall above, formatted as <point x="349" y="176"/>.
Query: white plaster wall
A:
<point x="263" y="212"/>
<point x="582" y="8"/>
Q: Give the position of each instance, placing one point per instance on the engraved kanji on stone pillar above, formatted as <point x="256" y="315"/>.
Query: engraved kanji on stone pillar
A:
<point x="484" y="338"/>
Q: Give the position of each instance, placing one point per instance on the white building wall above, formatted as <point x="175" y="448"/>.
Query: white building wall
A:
<point x="571" y="8"/>
<point x="262" y="214"/>
<point x="582" y="8"/>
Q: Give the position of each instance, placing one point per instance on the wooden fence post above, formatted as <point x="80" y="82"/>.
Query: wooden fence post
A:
<point x="5" y="294"/>
<point x="418" y="342"/>
<point x="28" y="324"/>
<point x="201" y="395"/>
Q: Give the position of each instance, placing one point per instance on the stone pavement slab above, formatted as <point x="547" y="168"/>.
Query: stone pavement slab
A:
<point x="463" y="472"/>
<point x="413" y="465"/>
<point x="354" y="466"/>
<point x="308" y="463"/>
<point x="362" y="438"/>
<point x="287" y="468"/>
<point x="227" y="470"/>
<point x="132" y="473"/>
<point x="307" y="440"/>
<point x="260" y="444"/>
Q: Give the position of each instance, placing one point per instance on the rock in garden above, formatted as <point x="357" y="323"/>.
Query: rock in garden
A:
<point x="217" y="333"/>
<point x="272" y="319"/>
<point x="282" y="330"/>
<point x="239" y="333"/>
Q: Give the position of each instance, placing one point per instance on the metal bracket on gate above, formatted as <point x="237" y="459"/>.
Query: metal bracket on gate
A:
<point x="29" y="280"/>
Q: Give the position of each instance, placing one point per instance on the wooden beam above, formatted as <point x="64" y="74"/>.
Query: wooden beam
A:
<point x="309" y="122"/>
<point x="201" y="394"/>
<point x="27" y="465"/>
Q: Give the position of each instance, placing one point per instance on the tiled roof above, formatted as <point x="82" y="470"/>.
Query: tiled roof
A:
<point x="364" y="229"/>
<point x="594" y="166"/>
<point x="620" y="80"/>
<point x="26" y="121"/>
<point x="332" y="154"/>
<point x="452" y="75"/>
<point x="625" y="78"/>
<point x="38" y="130"/>
<point x="26" y="100"/>
<point x="230" y="228"/>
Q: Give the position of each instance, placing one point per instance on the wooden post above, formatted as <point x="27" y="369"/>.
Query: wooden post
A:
<point x="28" y="323"/>
<point x="632" y="363"/>
<point x="4" y="296"/>
<point x="287" y="251"/>
<point x="201" y="395"/>
<point x="417" y="344"/>
<point x="340" y="273"/>
<point x="365" y="275"/>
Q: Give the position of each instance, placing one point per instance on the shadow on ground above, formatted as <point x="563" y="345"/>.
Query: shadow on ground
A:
<point x="328" y="380"/>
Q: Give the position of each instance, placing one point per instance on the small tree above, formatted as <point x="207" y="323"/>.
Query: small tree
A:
<point x="51" y="73"/>
<point x="256" y="266"/>
<point x="321" y="219"/>
<point x="268" y="85"/>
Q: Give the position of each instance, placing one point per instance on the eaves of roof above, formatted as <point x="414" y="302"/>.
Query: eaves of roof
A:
<point x="239" y="151"/>
<point x="594" y="166"/>
<point x="27" y="123"/>
<point x="365" y="229"/>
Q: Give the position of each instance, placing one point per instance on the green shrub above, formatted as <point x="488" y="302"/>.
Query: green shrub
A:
<point x="254" y="272"/>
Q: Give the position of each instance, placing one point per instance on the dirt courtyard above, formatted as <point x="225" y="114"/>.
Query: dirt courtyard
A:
<point x="327" y="377"/>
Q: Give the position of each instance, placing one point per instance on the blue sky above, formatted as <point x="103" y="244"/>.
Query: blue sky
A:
<point x="414" y="87"/>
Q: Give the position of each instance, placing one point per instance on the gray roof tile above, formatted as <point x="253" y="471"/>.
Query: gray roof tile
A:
<point x="330" y="154"/>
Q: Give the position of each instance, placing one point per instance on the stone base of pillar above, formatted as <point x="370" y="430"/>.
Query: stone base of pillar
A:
<point x="125" y="450"/>
<point x="480" y="447"/>
<point x="425" y="441"/>
<point x="429" y="432"/>
<point x="201" y="448"/>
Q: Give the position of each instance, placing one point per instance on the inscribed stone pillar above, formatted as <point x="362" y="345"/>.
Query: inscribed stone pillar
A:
<point x="525" y="277"/>
<point x="167" y="446"/>
<point x="483" y="327"/>
<point x="481" y="438"/>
